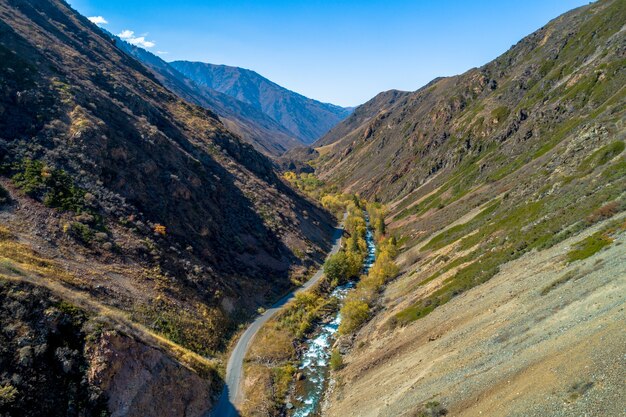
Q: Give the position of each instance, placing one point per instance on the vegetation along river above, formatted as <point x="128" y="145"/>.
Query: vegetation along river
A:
<point x="314" y="362"/>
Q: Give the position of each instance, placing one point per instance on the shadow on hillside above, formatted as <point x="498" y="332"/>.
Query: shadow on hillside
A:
<point x="224" y="407"/>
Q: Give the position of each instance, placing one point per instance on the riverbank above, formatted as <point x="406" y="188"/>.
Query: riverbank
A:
<point x="314" y="365"/>
<point x="231" y="394"/>
<point x="272" y="362"/>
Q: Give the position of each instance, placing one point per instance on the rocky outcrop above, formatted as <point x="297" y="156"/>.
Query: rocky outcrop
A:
<point x="140" y="380"/>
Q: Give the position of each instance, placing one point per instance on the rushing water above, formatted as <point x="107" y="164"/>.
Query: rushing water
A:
<point x="314" y="362"/>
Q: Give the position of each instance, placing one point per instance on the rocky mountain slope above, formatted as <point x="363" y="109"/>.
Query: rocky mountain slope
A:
<point x="505" y="187"/>
<point x="254" y="126"/>
<point x="305" y="118"/>
<point x="361" y="115"/>
<point x="135" y="206"/>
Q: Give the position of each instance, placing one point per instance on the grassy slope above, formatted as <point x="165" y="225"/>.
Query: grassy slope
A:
<point x="535" y="139"/>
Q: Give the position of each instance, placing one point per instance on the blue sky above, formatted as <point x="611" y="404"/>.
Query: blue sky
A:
<point x="343" y="52"/>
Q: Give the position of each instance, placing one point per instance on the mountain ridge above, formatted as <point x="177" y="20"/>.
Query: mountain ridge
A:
<point x="504" y="187"/>
<point x="304" y="117"/>
<point x="254" y="126"/>
<point x="164" y="227"/>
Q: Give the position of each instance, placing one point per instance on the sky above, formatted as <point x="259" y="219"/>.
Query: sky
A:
<point x="338" y="51"/>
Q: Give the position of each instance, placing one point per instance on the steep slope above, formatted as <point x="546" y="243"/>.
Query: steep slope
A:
<point x="305" y="118"/>
<point x="514" y="102"/>
<point x="119" y="196"/>
<point x="505" y="188"/>
<point x="361" y="115"/>
<point x="254" y="126"/>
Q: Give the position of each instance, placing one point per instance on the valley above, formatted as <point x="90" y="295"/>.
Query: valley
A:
<point x="190" y="239"/>
<point x="232" y="392"/>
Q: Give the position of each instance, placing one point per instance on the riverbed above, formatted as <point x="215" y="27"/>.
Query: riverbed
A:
<point x="314" y="360"/>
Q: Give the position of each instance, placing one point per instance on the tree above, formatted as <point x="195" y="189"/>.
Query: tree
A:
<point x="380" y="226"/>
<point x="337" y="267"/>
<point x="290" y="176"/>
<point x="352" y="244"/>
<point x="353" y="314"/>
<point x="333" y="204"/>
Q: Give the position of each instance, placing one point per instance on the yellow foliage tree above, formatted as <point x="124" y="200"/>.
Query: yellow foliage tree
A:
<point x="159" y="229"/>
<point x="353" y="314"/>
<point x="290" y="176"/>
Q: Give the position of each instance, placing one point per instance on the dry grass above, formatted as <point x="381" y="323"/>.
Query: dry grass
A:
<point x="19" y="262"/>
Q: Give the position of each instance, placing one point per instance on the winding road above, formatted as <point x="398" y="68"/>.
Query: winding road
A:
<point x="232" y="393"/>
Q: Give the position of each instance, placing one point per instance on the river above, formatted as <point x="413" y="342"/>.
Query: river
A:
<point x="314" y="361"/>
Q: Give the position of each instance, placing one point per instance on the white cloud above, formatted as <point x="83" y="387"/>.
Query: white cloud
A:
<point x="162" y="52"/>
<point x="126" y="34"/>
<point x="129" y="36"/>
<point x="98" y="20"/>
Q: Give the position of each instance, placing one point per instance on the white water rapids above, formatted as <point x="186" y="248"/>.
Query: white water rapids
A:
<point x="314" y="361"/>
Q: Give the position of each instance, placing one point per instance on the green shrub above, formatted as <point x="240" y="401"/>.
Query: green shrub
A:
<point x="336" y="360"/>
<point x="500" y="113"/>
<point x="81" y="232"/>
<point x="77" y="314"/>
<point x="589" y="246"/>
<point x="52" y="186"/>
<point x="430" y="409"/>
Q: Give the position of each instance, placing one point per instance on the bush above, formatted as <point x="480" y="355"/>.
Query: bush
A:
<point x="52" y="186"/>
<point x="159" y="229"/>
<point x="80" y="231"/>
<point x="430" y="409"/>
<point x="8" y="393"/>
<point x="336" y="360"/>
<point x="353" y="315"/>
<point x="589" y="246"/>
<point x="606" y="211"/>
<point x="290" y="176"/>
<point x="501" y="113"/>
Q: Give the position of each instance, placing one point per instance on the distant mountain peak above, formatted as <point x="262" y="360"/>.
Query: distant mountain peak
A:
<point x="305" y="118"/>
<point x="250" y="123"/>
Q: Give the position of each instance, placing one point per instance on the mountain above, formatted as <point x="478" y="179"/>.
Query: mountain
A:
<point x="305" y="118"/>
<point x="136" y="231"/>
<point x="505" y="190"/>
<point x="254" y="126"/>
<point x="361" y="115"/>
